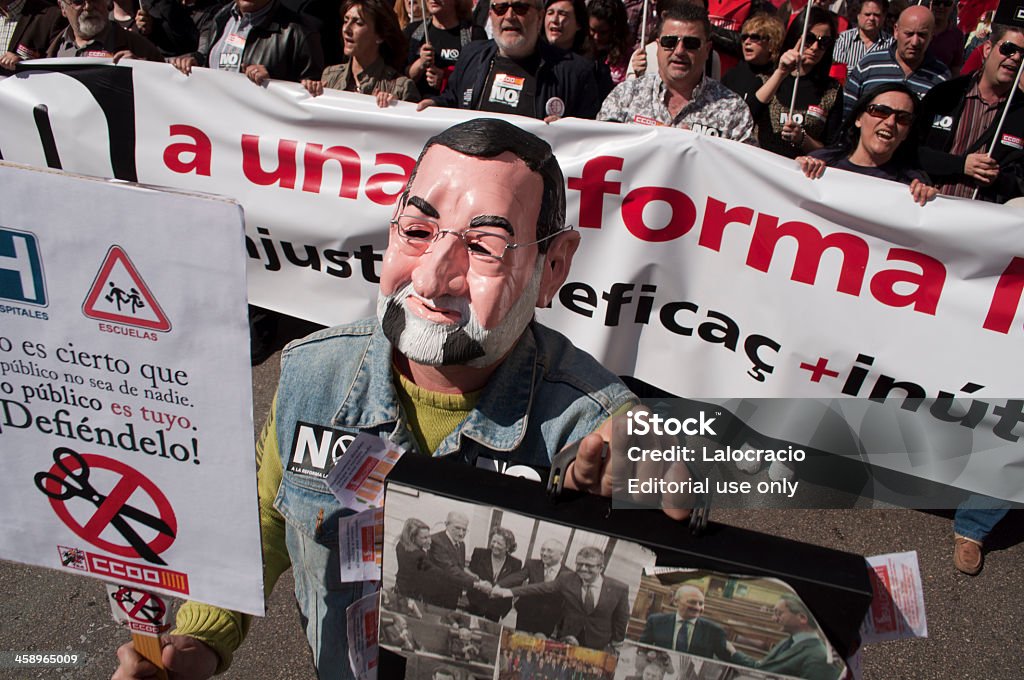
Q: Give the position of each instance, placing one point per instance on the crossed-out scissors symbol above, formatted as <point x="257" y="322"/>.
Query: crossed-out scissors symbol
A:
<point x="75" y="483"/>
<point x="150" y="608"/>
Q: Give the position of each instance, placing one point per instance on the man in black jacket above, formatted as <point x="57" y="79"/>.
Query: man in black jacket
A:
<point x="262" y="39"/>
<point x="959" y="120"/>
<point x="32" y="25"/>
<point x="516" y="73"/>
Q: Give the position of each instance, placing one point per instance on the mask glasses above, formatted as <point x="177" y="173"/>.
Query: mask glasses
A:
<point x="486" y="248"/>
<point x="825" y="41"/>
<point x="881" y="112"/>
<point x="520" y="9"/>
<point x="1008" y="49"/>
<point x="690" y="42"/>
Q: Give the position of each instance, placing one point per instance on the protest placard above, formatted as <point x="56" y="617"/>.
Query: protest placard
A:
<point x="125" y="394"/>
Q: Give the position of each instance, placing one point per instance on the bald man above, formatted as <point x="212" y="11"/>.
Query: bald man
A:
<point x="541" y="613"/>
<point x="448" y="552"/>
<point x="684" y="630"/>
<point x="905" y="59"/>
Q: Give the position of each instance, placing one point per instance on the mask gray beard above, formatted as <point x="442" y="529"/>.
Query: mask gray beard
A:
<point x="462" y="344"/>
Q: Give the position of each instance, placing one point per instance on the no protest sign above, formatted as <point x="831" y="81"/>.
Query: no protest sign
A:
<point x="125" y="398"/>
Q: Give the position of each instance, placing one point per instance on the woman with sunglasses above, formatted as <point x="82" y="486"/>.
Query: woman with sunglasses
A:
<point x="818" y="109"/>
<point x="874" y="141"/>
<point x="761" y="38"/>
<point x="375" y="53"/>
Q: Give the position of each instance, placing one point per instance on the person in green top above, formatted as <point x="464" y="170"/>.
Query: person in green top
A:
<point x="453" y="365"/>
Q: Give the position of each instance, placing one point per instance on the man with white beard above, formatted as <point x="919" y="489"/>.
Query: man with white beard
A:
<point x="454" y="365"/>
<point x="518" y="73"/>
<point x="90" y="33"/>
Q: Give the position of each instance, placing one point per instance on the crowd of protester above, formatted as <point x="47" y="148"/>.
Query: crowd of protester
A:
<point x="807" y="75"/>
<point x="912" y="93"/>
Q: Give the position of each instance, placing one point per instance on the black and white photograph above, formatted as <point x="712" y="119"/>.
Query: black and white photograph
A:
<point x="455" y="572"/>
<point x="758" y="625"/>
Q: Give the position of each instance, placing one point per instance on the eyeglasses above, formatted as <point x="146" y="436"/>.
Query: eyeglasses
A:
<point x="520" y="9"/>
<point x="486" y="248"/>
<point x="1008" y="49"/>
<point x="825" y="41"/>
<point x="755" y="37"/>
<point x="881" y="111"/>
<point x="690" y="42"/>
<point x="595" y="566"/>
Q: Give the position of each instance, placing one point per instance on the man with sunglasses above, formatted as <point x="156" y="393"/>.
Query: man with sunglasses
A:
<point x="517" y="73"/>
<point x="960" y="117"/>
<point x="453" y="365"/>
<point x="852" y="45"/>
<point x="679" y="94"/>
<point x="906" y="59"/>
<point x="91" y="33"/>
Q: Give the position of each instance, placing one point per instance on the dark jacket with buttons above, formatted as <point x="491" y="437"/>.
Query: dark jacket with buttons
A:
<point x="939" y="118"/>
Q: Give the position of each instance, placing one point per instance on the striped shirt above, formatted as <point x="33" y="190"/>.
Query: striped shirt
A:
<point x="977" y="116"/>
<point x="850" y="49"/>
<point x="879" y="66"/>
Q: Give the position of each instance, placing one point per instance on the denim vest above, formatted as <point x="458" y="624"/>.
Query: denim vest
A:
<point x="545" y="395"/>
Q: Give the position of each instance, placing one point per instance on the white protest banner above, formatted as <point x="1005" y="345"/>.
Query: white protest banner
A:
<point x="125" y="390"/>
<point x="708" y="268"/>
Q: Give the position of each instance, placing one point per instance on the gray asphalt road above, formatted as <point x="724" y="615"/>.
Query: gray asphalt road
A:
<point x="975" y="624"/>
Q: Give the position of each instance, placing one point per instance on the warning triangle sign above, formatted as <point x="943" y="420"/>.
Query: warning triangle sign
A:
<point x="120" y="295"/>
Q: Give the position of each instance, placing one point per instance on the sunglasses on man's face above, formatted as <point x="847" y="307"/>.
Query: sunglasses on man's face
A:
<point x="520" y="9"/>
<point x="825" y="41"/>
<point x="881" y="112"/>
<point x="1008" y="49"/>
<point x="942" y="3"/>
<point x="754" y="37"/>
<point x="690" y="42"/>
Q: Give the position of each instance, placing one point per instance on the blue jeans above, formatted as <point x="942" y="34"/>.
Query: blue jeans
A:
<point x="977" y="516"/>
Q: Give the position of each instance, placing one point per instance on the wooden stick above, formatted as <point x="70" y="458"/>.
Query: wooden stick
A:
<point x="148" y="646"/>
<point x="423" y="16"/>
<point x="643" y="27"/>
<point x="799" y="64"/>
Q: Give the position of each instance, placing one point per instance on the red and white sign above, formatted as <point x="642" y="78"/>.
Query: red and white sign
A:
<point x="122" y="459"/>
<point x="127" y="508"/>
<point x="141" y="611"/>
<point x="119" y="294"/>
